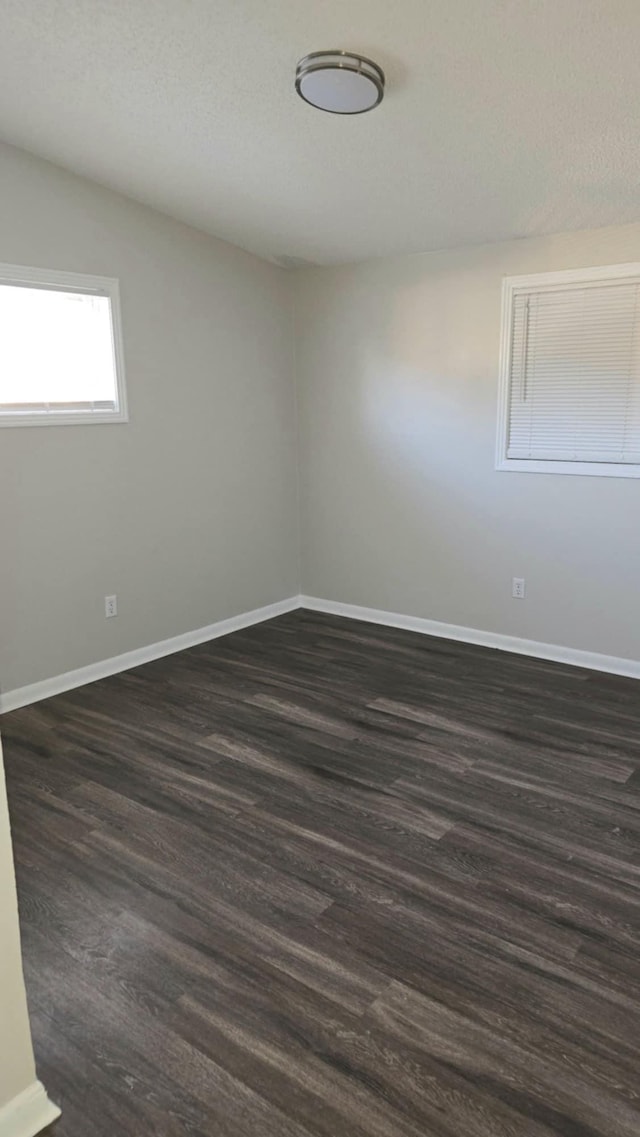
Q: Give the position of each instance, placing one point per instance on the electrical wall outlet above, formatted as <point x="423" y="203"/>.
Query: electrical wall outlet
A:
<point x="517" y="588"/>
<point x="110" y="606"/>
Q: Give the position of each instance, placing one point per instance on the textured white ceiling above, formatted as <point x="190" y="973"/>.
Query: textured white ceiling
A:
<point x="502" y="118"/>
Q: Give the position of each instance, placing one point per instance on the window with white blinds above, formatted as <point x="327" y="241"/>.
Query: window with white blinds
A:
<point x="570" y="389"/>
<point x="60" y="349"/>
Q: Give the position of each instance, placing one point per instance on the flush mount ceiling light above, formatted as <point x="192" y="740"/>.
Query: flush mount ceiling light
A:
<point x="340" y="82"/>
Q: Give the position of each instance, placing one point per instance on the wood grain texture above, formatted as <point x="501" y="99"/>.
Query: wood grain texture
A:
<point x="321" y="878"/>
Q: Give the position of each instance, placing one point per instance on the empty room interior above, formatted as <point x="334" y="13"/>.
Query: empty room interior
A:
<point x="320" y="568"/>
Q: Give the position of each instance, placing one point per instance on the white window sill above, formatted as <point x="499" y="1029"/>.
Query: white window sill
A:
<point x="586" y="469"/>
<point x="82" y="418"/>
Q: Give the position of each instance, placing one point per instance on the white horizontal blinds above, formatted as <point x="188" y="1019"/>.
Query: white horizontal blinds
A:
<point x="575" y="374"/>
<point x="59" y="407"/>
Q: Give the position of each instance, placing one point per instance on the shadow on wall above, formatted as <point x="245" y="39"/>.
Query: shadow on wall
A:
<point x="428" y="440"/>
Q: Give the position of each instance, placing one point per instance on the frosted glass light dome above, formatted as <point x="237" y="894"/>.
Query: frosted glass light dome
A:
<point x="340" y="82"/>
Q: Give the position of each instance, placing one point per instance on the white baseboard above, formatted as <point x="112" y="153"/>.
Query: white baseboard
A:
<point x="34" y="692"/>
<point x="28" y="1113"/>
<point x="592" y="660"/>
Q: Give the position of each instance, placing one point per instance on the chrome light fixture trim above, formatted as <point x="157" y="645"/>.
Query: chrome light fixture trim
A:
<point x="340" y="82"/>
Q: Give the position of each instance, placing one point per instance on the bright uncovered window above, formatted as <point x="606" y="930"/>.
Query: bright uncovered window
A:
<point x="570" y="372"/>
<point x="61" y="358"/>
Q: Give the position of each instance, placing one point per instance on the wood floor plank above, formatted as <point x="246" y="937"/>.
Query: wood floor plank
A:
<point x="324" y="879"/>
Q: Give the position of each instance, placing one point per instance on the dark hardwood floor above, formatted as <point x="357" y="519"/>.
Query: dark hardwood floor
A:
<point x="323" y="878"/>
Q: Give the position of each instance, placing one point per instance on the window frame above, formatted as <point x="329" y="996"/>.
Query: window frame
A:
<point x="550" y="282"/>
<point x="87" y="284"/>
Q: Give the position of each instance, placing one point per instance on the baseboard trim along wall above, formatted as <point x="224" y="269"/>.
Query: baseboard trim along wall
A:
<point x="28" y="1113"/>
<point x="34" y="692"/>
<point x="592" y="660"/>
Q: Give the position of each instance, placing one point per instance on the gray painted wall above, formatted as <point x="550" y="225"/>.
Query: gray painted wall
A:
<point x="17" y="1070"/>
<point x="188" y="511"/>
<point x="401" y="507"/>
